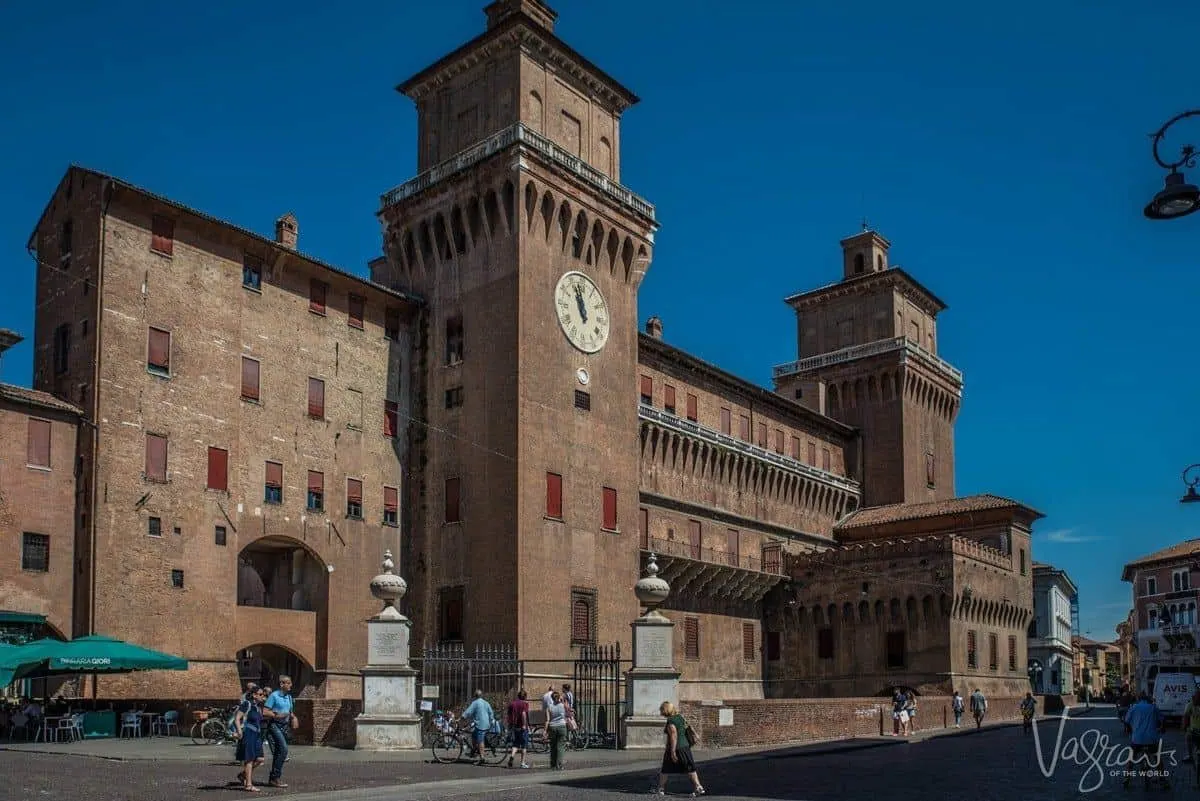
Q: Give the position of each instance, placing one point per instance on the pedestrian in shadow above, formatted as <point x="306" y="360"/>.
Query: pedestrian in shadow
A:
<point x="677" y="757"/>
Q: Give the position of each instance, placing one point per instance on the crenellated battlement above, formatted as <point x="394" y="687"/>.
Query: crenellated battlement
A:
<point x="936" y="544"/>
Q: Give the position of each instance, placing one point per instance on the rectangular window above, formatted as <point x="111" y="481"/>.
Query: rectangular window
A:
<point x="733" y="546"/>
<point x="1152" y="586"/>
<point x="453" y="501"/>
<point x="391" y="506"/>
<point x="316" y="398"/>
<point x="218" y="469"/>
<point x="454" y="340"/>
<point x="930" y="471"/>
<point x="162" y="235"/>
<point x="744" y="428"/>
<point x="1012" y="652"/>
<point x="796" y="448"/>
<point x="250" y="374"/>
<point x="583" y="617"/>
<point x="1024" y="569"/>
<point x="583" y="401"/>
<point x="355" y="311"/>
<point x="825" y="643"/>
<point x="778" y="441"/>
<point x="316" y="296"/>
<point x="158" y="352"/>
<point x="826" y="460"/>
<point x="156" y="458"/>
<point x="647" y="392"/>
<point x="391" y="418"/>
<point x="726" y="423"/>
<point x="695" y="540"/>
<point x="35" y="552"/>
<point x="772" y="558"/>
<point x="693" y="405"/>
<point x="354" y="409"/>
<point x="691" y="638"/>
<point x="316" y="491"/>
<point x="993" y="649"/>
<point x="154" y="527"/>
<point x="252" y="272"/>
<point x="762" y="435"/>
<point x="554" y="496"/>
<point x="177" y="531"/>
<point x="608" y="520"/>
<point x="669" y="398"/>
<point x="64" y="244"/>
<point x="1181" y="580"/>
<point x="62" y="348"/>
<point x="391" y="324"/>
<point x="896" y="656"/>
<point x="972" y="653"/>
<point x="37" y="443"/>
<point x="812" y="454"/>
<point x="354" y="509"/>
<point x="273" y="484"/>
<point x="177" y="579"/>
<point x="219" y="535"/>
<point x="749" y="652"/>
<point x="644" y="527"/>
<point x="450" y="612"/>
<point x="454" y="397"/>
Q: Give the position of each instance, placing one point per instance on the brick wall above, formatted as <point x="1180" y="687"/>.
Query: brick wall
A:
<point x="322" y="721"/>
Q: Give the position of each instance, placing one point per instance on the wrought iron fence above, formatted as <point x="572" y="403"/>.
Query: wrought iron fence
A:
<point x="598" y="685"/>
<point x="450" y="674"/>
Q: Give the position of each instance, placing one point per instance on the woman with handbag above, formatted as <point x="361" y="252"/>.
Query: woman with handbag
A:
<point x="677" y="758"/>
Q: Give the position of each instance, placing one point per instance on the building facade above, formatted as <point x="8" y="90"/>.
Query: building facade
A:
<point x="1051" y="659"/>
<point x="1127" y="644"/>
<point x="1165" y="628"/>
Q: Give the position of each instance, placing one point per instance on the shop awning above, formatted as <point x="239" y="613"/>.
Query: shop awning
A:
<point x="21" y="617"/>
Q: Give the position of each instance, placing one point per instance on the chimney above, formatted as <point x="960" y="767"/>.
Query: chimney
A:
<point x="287" y="231"/>
<point x="536" y="10"/>
<point x="654" y="327"/>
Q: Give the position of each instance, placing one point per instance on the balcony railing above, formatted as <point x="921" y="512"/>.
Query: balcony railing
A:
<point x="770" y="563"/>
<point x="519" y="134"/>
<point x="869" y="349"/>
<point x="1179" y="595"/>
<point x="730" y="443"/>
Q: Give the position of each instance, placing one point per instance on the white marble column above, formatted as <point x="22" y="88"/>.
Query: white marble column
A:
<point x="653" y="677"/>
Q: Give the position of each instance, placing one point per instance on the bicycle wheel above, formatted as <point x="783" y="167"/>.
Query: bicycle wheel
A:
<point x="447" y="748"/>
<point x="539" y="742"/>
<point x="197" y="733"/>
<point x="495" y="747"/>
<point x="212" y="731"/>
<point x="577" y="740"/>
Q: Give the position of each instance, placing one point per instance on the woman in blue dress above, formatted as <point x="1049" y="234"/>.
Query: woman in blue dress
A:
<point x="249" y="724"/>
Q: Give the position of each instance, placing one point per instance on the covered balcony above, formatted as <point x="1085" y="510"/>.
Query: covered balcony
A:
<point x="696" y="573"/>
<point x="282" y="598"/>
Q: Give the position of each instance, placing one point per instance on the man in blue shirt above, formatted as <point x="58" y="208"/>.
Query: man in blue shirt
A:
<point x="482" y="716"/>
<point x="278" y="710"/>
<point x="1146" y="723"/>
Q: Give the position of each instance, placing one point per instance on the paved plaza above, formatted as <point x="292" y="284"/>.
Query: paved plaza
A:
<point x="998" y="763"/>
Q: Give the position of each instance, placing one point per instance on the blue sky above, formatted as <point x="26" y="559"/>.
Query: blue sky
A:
<point x="1002" y="149"/>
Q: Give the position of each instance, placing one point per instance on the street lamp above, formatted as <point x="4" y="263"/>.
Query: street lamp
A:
<point x="1035" y="675"/>
<point x="1177" y="198"/>
<point x="1191" y="477"/>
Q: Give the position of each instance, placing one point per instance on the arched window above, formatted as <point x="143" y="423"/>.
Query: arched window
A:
<point x="879" y="262"/>
<point x="860" y="263"/>
<point x="583" y="621"/>
<point x="1152" y="619"/>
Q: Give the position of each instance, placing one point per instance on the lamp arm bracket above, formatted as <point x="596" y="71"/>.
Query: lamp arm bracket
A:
<point x="1187" y="154"/>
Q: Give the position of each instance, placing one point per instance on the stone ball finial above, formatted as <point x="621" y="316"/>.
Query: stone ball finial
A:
<point x="652" y="590"/>
<point x="387" y="586"/>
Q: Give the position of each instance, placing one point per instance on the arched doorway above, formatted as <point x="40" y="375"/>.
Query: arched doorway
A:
<point x="281" y="573"/>
<point x="264" y="663"/>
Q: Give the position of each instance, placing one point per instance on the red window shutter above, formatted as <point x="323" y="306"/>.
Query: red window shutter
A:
<point x="249" y="378"/>
<point x="274" y="474"/>
<point x="610" y="509"/>
<point x="391" y="418"/>
<point x="218" y="469"/>
<point x="391" y="499"/>
<point x="744" y="428"/>
<point x="159" y="349"/>
<point x="770" y="555"/>
<point x="825" y="459"/>
<point x="37" y="446"/>
<point x="726" y="423"/>
<point x="316" y="481"/>
<point x="694" y="538"/>
<point x="156" y="457"/>
<point x="691" y="637"/>
<point x="355" y="306"/>
<point x="748" y="642"/>
<point x="1012" y="653"/>
<point x="162" y="235"/>
<point x="647" y="389"/>
<point x="644" y="527"/>
<point x="554" y="496"/>
<point x="778" y="441"/>
<point x="812" y="454"/>
<point x="762" y="435"/>
<point x="316" y="397"/>
<point x="669" y="398"/>
<point x="316" y="296"/>
<point x="452" y="500"/>
<point x="796" y="448"/>
<point x="692" y="405"/>
<point x="354" y="490"/>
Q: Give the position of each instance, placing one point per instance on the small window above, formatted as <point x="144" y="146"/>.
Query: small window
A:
<point x="644" y="528"/>
<point x="1012" y="652"/>
<point x="162" y="235"/>
<point x="391" y="418"/>
<point x="826" y="460"/>
<point x="691" y="638"/>
<point x="762" y="435"/>
<point x="930" y="471"/>
<point x="35" y="552"/>
<point x="37" y="445"/>
<point x="316" y="399"/>
<point x="64" y="244"/>
<point x="354" y="509"/>
<point x="825" y="643"/>
<point x="778" y="441"/>
<point x="554" y="496"/>
<point x="796" y="448"/>
<point x="744" y="428"/>
<point x="154" y="527"/>
<point x="453" y="500"/>
<point x="726" y="423"/>
<point x="1152" y="586"/>
<point x="1024" y="568"/>
<point x="177" y="531"/>
<point x="812" y="454"/>
<point x="177" y="579"/>
<point x="273" y="484"/>
<point x="972" y="652"/>
<point x="896" y="656"/>
<point x="583" y="617"/>
<point x="583" y="401"/>
<point x="993" y="652"/>
<point x="749" y="652"/>
<point x="158" y="353"/>
<point x="859" y="263"/>
<point x="772" y="558"/>
<point x="252" y="272"/>
<point x="156" y="458"/>
<point x="62" y="348"/>
<point x="609" y="515"/>
<point x="454" y="340"/>
<point x="391" y="324"/>
<point x="218" y="469"/>
<point x="647" y="391"/>
<point x="316" y="491"/>
<point x="693" y="407"/>
<point x="219" y="535"/>
<point x="669" y="398"/>
<point x="391" y="506"/>
<point x="316" y="296"/>
<point x="355" y="311"/>
<point x="250" y="373"/>
<point x="773" y="646"/>
<point x="454" y="397"/>
<point x="798" y="393"/>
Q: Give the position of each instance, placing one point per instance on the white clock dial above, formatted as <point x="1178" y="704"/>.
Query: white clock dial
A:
<point x="582" y="312"/>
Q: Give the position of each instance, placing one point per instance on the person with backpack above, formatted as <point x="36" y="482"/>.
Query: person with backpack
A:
<point x="1146" y="721"/>
<point x="957" y="705"/>
<point x="677" y="757"/>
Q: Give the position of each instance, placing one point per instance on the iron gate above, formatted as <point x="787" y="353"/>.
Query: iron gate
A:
<point x="599" y="693"/>
<point x="457" y="674"/>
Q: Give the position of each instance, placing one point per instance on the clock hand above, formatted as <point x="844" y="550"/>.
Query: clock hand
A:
<point x="579" y="303"/>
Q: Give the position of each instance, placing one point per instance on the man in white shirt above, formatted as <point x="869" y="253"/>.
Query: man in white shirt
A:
<point x="548" y="698"/>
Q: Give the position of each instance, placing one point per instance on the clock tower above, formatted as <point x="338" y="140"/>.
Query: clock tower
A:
<point x="528" y="252"/>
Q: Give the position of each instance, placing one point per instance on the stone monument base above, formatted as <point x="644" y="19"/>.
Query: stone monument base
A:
<point x="644" y="733"/>
<point x="387" y="733"/>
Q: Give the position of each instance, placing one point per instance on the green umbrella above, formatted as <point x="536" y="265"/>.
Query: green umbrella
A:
<point x="92" y="654"/>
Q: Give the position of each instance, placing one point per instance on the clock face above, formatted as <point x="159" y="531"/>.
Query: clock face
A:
<point x="582" y="312"/>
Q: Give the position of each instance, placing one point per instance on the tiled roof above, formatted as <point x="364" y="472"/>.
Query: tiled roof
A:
<point x="33" y="397"/>
<point x="896" y="512"/>
<point x="1180" y="550"/>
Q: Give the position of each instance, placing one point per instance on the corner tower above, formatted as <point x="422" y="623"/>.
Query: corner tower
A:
<point x="868" y="357"/>
<point x="529" y="253"/>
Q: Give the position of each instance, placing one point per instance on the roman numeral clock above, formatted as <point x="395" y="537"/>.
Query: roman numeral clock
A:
<point x="582" y="312"/>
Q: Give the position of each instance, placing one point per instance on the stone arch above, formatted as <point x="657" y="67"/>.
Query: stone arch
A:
<point x="425" y="236"/>
<point x="474" y="221"/>
<point x="441" y="238"/>
<point x="510" y="206"/>
<point x="535" y="110"/>
<point x="627" y="255"/>
<point x="547" y="214"/>
<point x="564" y="224"/>
<point x="264" y="661"/>
<point x="579" y="235"/>
<point x="597" y="243"/>
<point x="604" y="156"/>
<point x="491" y="212"/>
<point x="531" y="200"/>
<point x="613" y="246"/>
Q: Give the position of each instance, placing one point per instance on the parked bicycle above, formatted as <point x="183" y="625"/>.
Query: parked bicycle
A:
<point x="211" y="726"/>
<point x="451" y="738"/>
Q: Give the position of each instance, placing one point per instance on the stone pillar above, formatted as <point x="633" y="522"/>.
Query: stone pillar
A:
<point x="653" y="677"/>
<point x="389" y="719"/>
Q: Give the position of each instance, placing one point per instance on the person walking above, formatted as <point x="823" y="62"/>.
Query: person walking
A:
<point x="482" y="718"/>
<point x="1028" y="710"/>
<point x="910" y="706"/>
<point x="248" y="723"/>
<point x="957" y="705"/>
<point x="1146" y="722"/>
<point x="281" y="719"/>
<point x="556" y="729"/>
<point x="978" y="707"/>
<point x="518" y="723"/>
<point x="897" y="709"/>
<point x="677" y="756"/>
